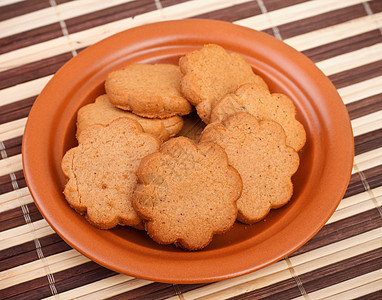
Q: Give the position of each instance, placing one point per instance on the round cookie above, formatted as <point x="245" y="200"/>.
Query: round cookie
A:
<point x="187" y="193"/>
<point x="211" y="73"/>
<point x="258" y="151"/>
<point x="150" y="91"/>
<point x="101" y="172"/>
<point x="263" y="105"/>
<point x="103" y="112"/>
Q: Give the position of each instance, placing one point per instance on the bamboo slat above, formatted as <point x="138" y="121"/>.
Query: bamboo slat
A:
<point x="336" y="32"/>
<point x="10" y="164"/>
<point x="8" y="2"/>
<point x="298" y="11"/>
<point x="351" y="60"/>
<point x="18" y="202"/>
<point x="23" y="90"/>
<point x="23" y="234"/>
<point x="53" y="14"/>
<point x="42" y="267"/>
<point x="367" y="123"/>
<point x="91" y="290"/>
<point x="350" y="289"/>
<point x="361" y="90"/>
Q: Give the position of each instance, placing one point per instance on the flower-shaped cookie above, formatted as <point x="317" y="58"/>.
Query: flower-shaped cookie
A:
<point x="211" y="73"/>
<point x="259" y="102"/>
<point x="258" y="151"/>
<point x="187" y="193"/>
<point x="101" y="171"/>
<point x="103" y="112"/>
<point x="150" y="91"/>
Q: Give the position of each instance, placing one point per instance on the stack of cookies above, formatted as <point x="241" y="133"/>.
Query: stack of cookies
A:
<point x="130" y="169"/>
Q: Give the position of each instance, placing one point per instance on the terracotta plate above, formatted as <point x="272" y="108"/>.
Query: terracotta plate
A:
<point x="319" y="184"/>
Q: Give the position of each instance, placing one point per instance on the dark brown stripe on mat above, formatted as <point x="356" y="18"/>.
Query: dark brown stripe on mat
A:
<point x="15" y="217"/>
<point x="157" y="291"/>
<point x="33" y="70"/>
<point x="13" y="151"/>
<point x="80" y="275"/>
<point x="376" y="6"/>
<point x="363" y="72"/>
<point x="286" y="289"/>
<point x="54" y="248"/>
<point x="26" y="252"/>
<point x="373" y="296"/>
<point x="16" y="110"/>
<point x="11" y="143"/>
<point x="13" y="146"/>
<point x="22" y="8"/>
<point x="368" y="141"/>
<point x="108" y="15"/>
<point x="374" y="176"/>
<point x="6" y="182"/>
<point x="166" y="3"/>
<point x="30" y="37"/>
<point x="344" y="46"/>
<point x="64" y="1"/>
<point x="233" y="13"/>
<point x="342" y="229"/>
<point x="355" y="186"/>
<point x="184" y="288"/>
<point x="365" y="106"/>
<point x="34" y="289"/>
<point x="16" y="250"/>
<point x="269" y="31"/>
<point x="322" y="21"/>
<point x="18" y="260"/>
<point x="342" y="271"/>
<point x="277" y="4"/>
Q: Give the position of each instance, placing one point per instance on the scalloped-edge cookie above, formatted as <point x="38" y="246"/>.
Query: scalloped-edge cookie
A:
<point x="150" y="91"/>
<point x="103" y="112"/>
<point x="258" y="151"/>
<point x="187" y="193"/>
<point x="264" y="106"/>
<point x="210" y="73"/>
<point x="101" y="172"/>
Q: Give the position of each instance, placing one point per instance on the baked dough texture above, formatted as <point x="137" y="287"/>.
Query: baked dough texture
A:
<point x="258" y="151"/>
<point x="186" y="193"/>
<point x="101" y="172"/>
<point x="263" y="105"/>
<point x="210" y="73"/>
<point x="150" y="91"/>
<point x="103" y="112"/>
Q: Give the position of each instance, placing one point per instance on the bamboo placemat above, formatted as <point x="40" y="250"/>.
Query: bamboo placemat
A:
<point x="344" y="39"/>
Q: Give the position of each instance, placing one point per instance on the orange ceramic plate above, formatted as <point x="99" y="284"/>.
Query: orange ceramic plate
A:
<point x="319" y="184"/>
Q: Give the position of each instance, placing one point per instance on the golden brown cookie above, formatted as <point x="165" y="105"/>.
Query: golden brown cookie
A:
<point x="150" y="91"/>
<point x="187" y="193"/>
<point x="101" y="171"/>
<point x="258" y="151"/>
<point x="210" y="74"/>
<point x="264" y="106"/>
<point x="103" y="112"/>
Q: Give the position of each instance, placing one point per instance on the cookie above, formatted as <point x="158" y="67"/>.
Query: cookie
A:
<point x="150" y="91"/>
<point x="211" y="73"/>
<point x="103" y="112"/>
<point x="186" y="193"/>
<point x="258" y="151"/>
<point x="101" y="171"/>
<point x="264" y="106"/>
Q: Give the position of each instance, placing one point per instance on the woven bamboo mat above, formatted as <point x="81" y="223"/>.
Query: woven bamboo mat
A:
<point x="344" y="39"/>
